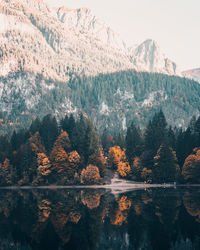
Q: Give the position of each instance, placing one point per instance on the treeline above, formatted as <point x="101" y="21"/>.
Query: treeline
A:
<point x="71" y="152"/>
<point x="52" y="153"/>
<point x="159" y="154"/>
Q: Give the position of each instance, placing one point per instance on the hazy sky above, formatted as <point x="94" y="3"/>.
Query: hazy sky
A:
<point x="174" y="24"/>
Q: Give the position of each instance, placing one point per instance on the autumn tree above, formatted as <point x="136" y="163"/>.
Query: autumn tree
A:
<point x="65" y="163"/>
<point x="90" y="175"/>
<point x="191" y="167"/>
<point x="124" y="169"/>
<point x="118" y="161"/>
<point x="115" y="156"/>
<point x="146" y="175"/>
<point x="7" y="173"/>
<point x="28" y="165"/>
<point x="137" y="168"/>
<point x="43" y="170"/>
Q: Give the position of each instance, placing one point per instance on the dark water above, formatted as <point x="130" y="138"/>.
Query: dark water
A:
<point x="96" y="219"/>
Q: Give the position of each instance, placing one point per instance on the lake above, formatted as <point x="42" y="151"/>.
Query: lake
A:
<point x="155" y="218"/>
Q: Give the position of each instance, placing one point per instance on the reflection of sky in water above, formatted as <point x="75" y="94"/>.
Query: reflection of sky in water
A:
<point x="97" y="219"/>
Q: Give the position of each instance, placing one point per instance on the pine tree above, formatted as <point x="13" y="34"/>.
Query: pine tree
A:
<point x="156" y="132"/>
<point x="133" y="142"/>
<point x="35" y="126"/>
<point x="49" y="131"/>
<point x="165" y="165"/>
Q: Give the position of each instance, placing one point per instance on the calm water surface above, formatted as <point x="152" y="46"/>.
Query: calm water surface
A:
<point x="97" y="219"/>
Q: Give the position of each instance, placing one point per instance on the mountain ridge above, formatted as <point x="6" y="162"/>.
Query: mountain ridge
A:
<point x="85" y="42"/>
<point x="49" y="65"/>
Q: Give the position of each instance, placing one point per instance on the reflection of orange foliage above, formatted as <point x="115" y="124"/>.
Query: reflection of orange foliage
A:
<point x="138" y="208"/>
<point x="44" y="210"/>
<point x="146" y="198"/>
<point x="74" y="216"/>
<point x="123" y="169"/>
<point x="119" y="218"/>
<point x="192" y="205"/>
<point x="124" y="203"/>
<point x="91" y="200"/>
<point x="60" y="219"/>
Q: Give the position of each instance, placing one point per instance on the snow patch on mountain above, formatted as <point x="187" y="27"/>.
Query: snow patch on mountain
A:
<point x="104" y="109"/>
<point x="154" y="99"/>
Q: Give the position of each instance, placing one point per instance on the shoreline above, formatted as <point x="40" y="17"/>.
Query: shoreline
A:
<point x="127" y="186"/>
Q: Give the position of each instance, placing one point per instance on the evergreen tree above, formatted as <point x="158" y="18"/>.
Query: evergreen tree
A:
<point x="49" y="131"/>
<point x="35" y="126"/>
<point x="156" y="132"/>
<point x="171" y="138"/>
<point x="92" y="143"/>
<point x="165" y="165"/>
<point x="186" y="142"/>
<point x="133" y="142"/>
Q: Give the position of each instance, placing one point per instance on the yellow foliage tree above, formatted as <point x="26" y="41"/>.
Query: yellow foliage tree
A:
<point x="118" y="161"/>
<point x="43" y="170"/>
<point x="124" y="169"/>
<point x="115" y="155"/>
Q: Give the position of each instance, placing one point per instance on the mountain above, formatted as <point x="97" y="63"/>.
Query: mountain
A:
<point x="111" y="100"/>
<point x="149" y="57"/>
<point x="192" y="74"/>
<point x="56" y="60"/>
<point x="53" y="41"/>
<point x="84" y="21"/>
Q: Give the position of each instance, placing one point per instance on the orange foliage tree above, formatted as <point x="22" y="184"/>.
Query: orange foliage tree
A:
<point x="118" y="161"/>
<point x="124" y="169"/>
<point x="7" y="173"/>
<point x="191" y="167"/>
<point x="44" y="169"/>
<point x="137" y="168"/>
<point x="146" y="175"/>
<point x="90" y="175"/>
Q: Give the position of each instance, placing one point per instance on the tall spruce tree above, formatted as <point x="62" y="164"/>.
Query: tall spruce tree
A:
<point x="133" y="142"/>
<point x="49" y="131"/>
<point x="165" y="165"/>
<point x="156" y="132"/>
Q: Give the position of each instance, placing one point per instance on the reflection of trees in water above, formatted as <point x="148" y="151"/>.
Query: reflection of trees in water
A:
<point x="93" y="219"/>
<point x="192" y="204"/>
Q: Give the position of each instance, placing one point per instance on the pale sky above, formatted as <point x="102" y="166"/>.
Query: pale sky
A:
<point x="174" y="24"/>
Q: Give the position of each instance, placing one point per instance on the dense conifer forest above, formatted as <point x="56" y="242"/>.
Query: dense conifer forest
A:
<point x="110" y="100"/>
<point x="72" y="152"/>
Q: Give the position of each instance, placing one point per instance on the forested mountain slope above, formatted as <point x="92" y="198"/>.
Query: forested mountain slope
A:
<point x="111" y="100"/>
